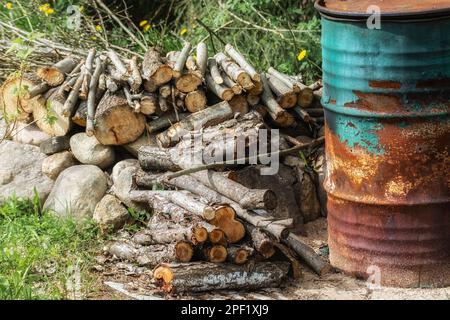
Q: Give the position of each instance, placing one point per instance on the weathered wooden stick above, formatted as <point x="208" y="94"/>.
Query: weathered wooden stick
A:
<point x="236" y="56"/>
<point x="201" y="276"/>
<point x="55" y="75"/>
<point x="111" y="84"/>
<point x="120" y="68"/>
<point x="284" y="78"/>
<point x="214" y="71"/>
<point x="92" y="96"/>
<point x="307" y="254"/>
<point x="221" y="91"/>
<point x="163" y="105"/>
<point x="69" y="104"/>
<point x="234" y="71"/>
<point x="191" y="64"/>
<point x="135" y="79"/>
<point x="88" y="67"/>
<point x="261" y="241"/>
<point x="304" y="115"/>
<point x="286" y="97"/>
<point x="37" y="89"/>
<point x="202" y="58"/>
<point x="278" y="114"/>
<point x="181" y="60"/>
<point x="292" y="257"/>
<point x="204" y="118"/>
<point x="316" y="85"/>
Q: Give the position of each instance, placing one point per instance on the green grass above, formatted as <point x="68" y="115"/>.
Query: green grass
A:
<point x="39" y="251"/>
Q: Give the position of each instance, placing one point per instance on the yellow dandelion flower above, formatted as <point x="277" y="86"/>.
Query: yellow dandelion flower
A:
<point x="8" y="5"/>
<point x="98" y="28"/>
<point x="302" y="55"/>
<point x="44" y="7"/>
<point x="143" y="23"/>
<point x="147" y="27"/>
<point x="81" y="8"/>
<point x="49" y="11"/>
<point x="183" y="31"/>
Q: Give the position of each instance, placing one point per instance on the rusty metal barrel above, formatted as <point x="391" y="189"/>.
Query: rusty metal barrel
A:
<point x="386" y="98"/>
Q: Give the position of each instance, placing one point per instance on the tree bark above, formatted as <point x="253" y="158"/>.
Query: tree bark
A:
<point x="149" y="103"/>
<point x="72" y="99"/>
<point x="285" y="79"/>
<point x="237" y="89"/>
<point x="164" y="121"/>
<point x="188" y="82"/>
<point x="239" y="104"/>
<point x="181" y="60"/>
<point x="92" y="96"/>
<point x="261" y="241"/>
<point x="88" y="67"/>
<point x="115" y="122"/>
<point x="135" y="79"/>
<point x="239" y="254"/>
<point x="236" y="56"/>
<point x="204" y="118"/>
<point x="202" y="58"/>
<point x="197" y="277"/>
<point x="154" y="71"/>
<point x="120" y="71"/>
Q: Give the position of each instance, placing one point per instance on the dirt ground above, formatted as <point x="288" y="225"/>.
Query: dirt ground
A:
<point x="125" y="281"/>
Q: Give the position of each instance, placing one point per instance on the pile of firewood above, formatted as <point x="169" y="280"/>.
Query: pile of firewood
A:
<point x="200" y="214"/>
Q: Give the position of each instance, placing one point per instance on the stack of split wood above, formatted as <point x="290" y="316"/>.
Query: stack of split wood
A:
<point x="206" y="227"/>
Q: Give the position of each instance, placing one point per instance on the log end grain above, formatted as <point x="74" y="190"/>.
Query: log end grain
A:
<point x="51" y="75"/>
<point x="188" y="82"/>
<point x="183" y="251"/>
<point x="195" y="101"/>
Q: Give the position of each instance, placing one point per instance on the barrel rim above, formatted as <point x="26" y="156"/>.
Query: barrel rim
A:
<point x="427" y="15"/>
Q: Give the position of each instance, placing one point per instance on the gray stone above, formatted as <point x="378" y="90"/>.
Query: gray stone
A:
<point x="110" y="213"/>
<point x="55" y="145"/>
<point x="28" y="134"/>
<point x="53" y="165"/>
<point x="88" y="150"/>
<point x="20" y="171"/>
<point x="122" y="186"/>
<point x="77" y="191"/>
<point x="121" y="165"/>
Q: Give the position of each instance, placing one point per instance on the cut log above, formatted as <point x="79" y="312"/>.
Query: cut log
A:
<point x="163" y="105"/>
<point x="261" y="241"/>
<point x="135" y="79"/>
<point x="253" y="100"/>
<point x="49" y="116"/>
<point x="55" y="75"/>
<point x="202" y="58"/>
<point x="214" y="71"/>
<point x="285" y="79"/>
<point x="292" y="257"/>
<point x="225" y="220"/>
<point x="111" y="84"/>
<point x="149" y="103"/>
<point x="239" y="254"/>
<point x="216" y="253"/>
<point x="234" y="71"/>
<point x="181" y="60"/>
<point x="13" y="97"/>
<point x="115" y="122"/>
<point x="80" y="115"/>
<point x="37" y="89"/>
<point x="92" y="96"/>
<point x="191" y="64"/>
<point x="286" y="97"/>
<point x="278" y="114"/>
<point x="221" y="91"/>
<point x="237" y="89"/>
<point x="188" y="82"/>
<point x="195" y="101"/>
<point x="239" y="104"/>
<point x="153" y="255"/>
<point x="217" y="236"/>
<point x="201" y="276"/>
<point x="257" y="89"/>
<point x="307" y="254"/>
<point x="153" y="70"/>
<point x="304" y="115"/>
<point x="204" y="118"/>
<point x="165" y="122"/>
<point x="316" y="85"/>
<point x="236" y="56"/>
<point x="305" y="97"/>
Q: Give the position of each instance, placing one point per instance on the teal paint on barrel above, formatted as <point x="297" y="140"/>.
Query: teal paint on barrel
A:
<point x="386" y="97"/>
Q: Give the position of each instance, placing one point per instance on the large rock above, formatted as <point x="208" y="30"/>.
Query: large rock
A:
<point x="20" y="171"/>
<point x="123" y="184"/>
<point x="28" y="134"/>
<point x="53" y="165"/>
<point x="121" y="165"/>
<point x="110" y="213"/>
<point x="88" y="150"/>
<point x="77" y="191"/>
<point x="54" y="145"/>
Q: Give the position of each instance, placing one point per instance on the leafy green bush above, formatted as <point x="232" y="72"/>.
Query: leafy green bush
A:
<point x="39" y="252"/>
